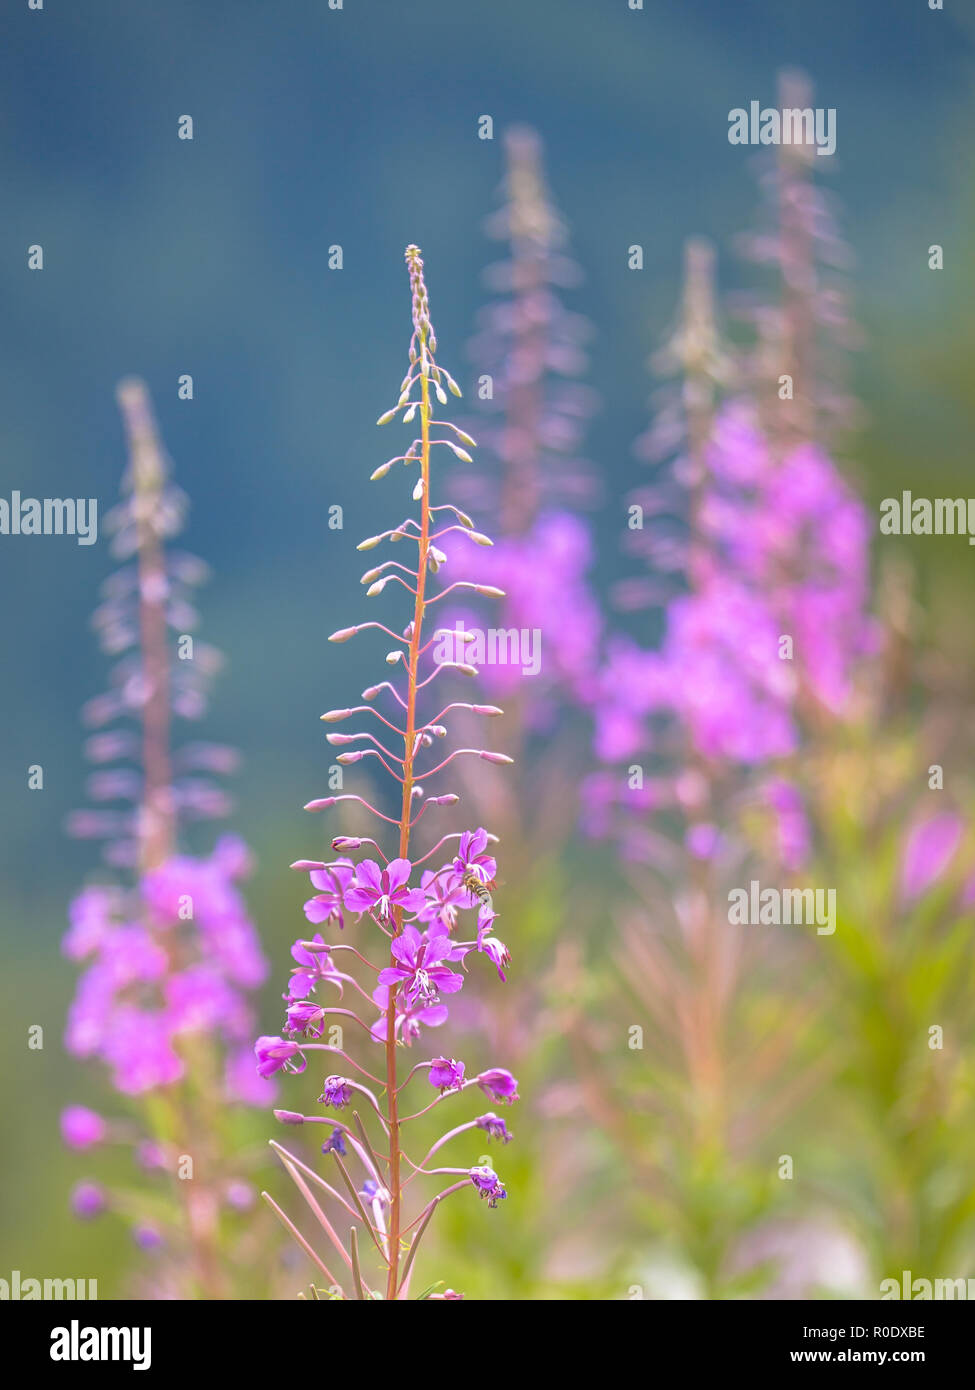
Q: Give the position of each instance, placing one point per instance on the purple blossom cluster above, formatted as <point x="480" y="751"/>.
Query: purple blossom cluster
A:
<point x="424" y="951"/>
<point x="756" y="551"/>
<point x="173" y="956"/>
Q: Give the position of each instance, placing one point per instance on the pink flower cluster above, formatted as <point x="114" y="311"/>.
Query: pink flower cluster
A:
<point x="175" y="956"/>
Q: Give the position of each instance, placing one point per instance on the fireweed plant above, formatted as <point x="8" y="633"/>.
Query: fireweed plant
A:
<point x="529" y="356"/>
<point x="170" y="955"/>
<point x="416" y="909"/>
<point x="528" y="361"/>
<point x="763" y="538"/>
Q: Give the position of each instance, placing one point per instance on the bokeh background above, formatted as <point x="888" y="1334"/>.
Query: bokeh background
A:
<point x="359" y="127"/>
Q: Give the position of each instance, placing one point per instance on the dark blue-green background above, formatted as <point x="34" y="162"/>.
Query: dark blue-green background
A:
<point x="359" y="127"/>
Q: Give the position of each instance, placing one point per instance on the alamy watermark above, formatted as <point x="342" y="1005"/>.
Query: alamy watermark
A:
<point x="17" y="1289"/>
<point x="756" y="906"/>
<point x="923" y="1290"/>
<point x="50" y="516"/>
<point x="77" y="1343"/>
<point x="496" y="646"/>
<point x="792" y="125"/>
<point x="908" y="515"/>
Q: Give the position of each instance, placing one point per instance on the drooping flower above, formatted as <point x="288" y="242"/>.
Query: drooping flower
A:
<point x="494" y="1127"/>
<point x="335" y="1143"/>
<point x="488" y="1184"/>
<point x="275" y="1054"/>
<point x="446" y="1073"/>
<point x="498" y="1084"/>
<point x="336" y="1091"/>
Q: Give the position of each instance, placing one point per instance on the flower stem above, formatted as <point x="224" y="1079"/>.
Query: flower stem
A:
<point x="409" y="741"/>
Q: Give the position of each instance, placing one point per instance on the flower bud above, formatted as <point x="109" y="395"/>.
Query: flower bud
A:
<point x="343" y="634"/>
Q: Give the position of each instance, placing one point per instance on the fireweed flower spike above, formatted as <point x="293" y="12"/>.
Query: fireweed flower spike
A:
<point x="170" y="955"/>
<point x="413" y="909"/>
<point x="533" y="350"/>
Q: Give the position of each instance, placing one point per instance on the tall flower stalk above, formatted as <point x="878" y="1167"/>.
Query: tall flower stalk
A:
<point x="170" y="953"/>
<point x="418" y="922"/>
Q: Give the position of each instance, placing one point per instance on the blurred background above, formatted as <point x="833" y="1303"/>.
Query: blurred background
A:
<point x="359" y="127"/>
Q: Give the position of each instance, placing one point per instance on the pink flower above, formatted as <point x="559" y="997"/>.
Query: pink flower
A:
<point x="421" y="972"/>
<point x="332" y="881"/>
<point x="81" y="1128"/>
<point x="930" y="847"/>
<point x="273" y="1054"/>
<point x="446" y="1073"/>
<point x="381" y="890"/>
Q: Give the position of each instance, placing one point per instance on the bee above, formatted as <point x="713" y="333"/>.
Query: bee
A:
<point x="478" y="889"/>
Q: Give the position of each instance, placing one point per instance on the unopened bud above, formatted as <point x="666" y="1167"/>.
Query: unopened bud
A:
<point x="320" y="803"/>
<point x="289" y="1117"/>
<point x="332" y="716"/>
<point x="490" y="757"/>
<point x="343" y="634"/>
